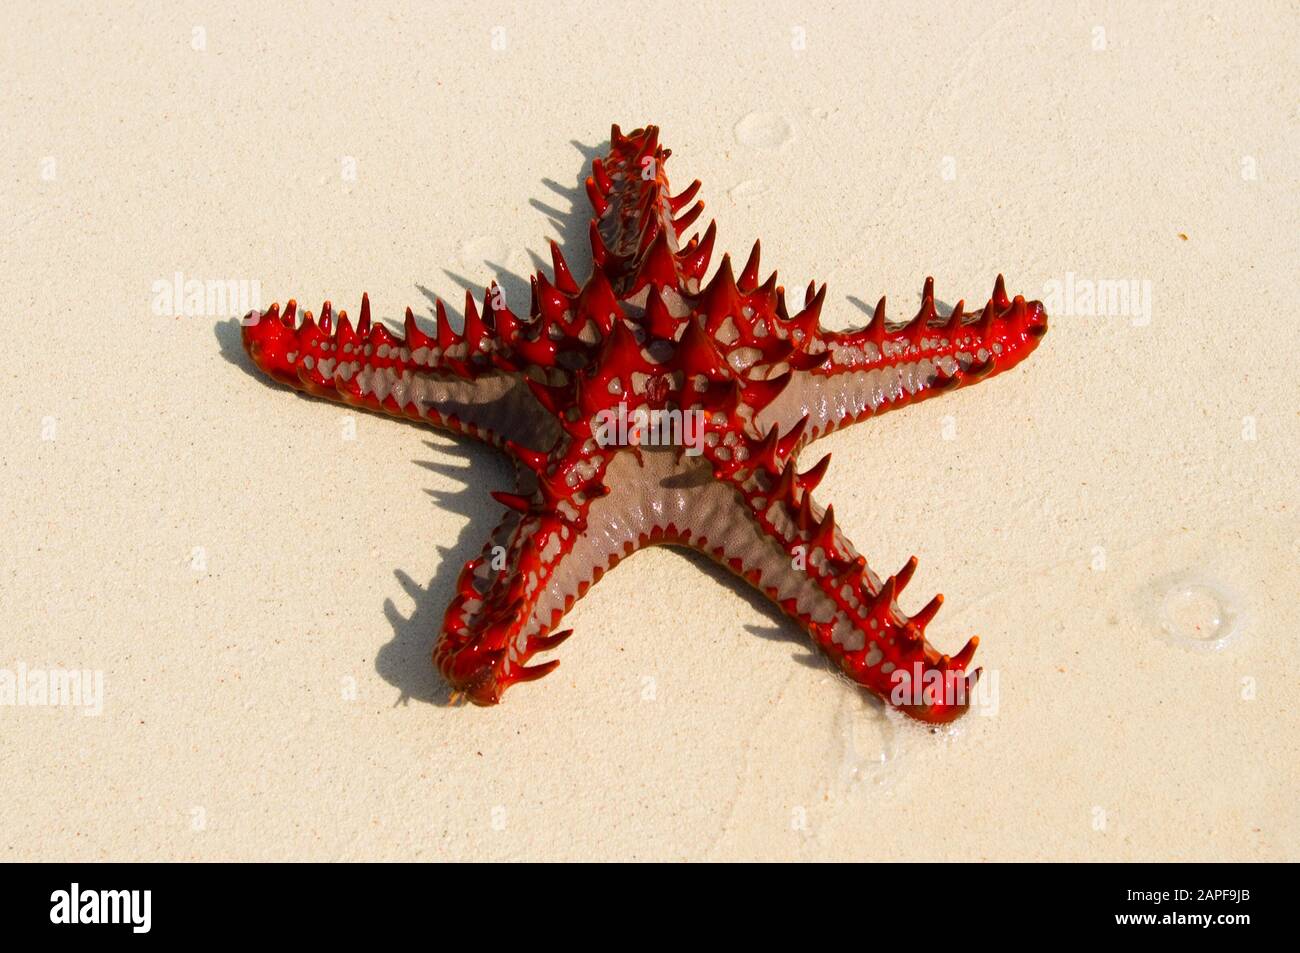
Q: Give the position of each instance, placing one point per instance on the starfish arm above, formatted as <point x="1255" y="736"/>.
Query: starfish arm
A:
<point x="491" y="630"/>
<point x="447" y="380"/>
<point x="768" y="531"/>
<point x="637" y="232"/>
<point x="542" y="557"/>
<point x="884" y="366"/>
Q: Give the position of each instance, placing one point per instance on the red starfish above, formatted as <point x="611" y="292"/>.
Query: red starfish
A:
<point x="642" y="340"/>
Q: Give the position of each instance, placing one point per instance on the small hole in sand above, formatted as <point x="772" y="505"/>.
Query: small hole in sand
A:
<point x="1198" y="615"/>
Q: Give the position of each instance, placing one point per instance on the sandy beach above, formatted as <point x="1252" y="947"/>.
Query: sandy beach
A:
<point x="248" y="583"/>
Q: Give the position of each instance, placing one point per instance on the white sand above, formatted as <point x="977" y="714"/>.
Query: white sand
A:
<point x="270" y="695"/>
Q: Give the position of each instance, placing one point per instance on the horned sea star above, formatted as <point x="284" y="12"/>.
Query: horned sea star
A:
<point x="645" y="333"/>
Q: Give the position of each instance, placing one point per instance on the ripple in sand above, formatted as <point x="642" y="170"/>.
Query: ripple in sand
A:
<point x="483" y="248"/>
<point x="760" y="130"/>
<point x="743" y="191"/>
<point x="869" y="742"/>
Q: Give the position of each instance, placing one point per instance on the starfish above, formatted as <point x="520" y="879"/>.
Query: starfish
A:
<point x="647" y="406"/>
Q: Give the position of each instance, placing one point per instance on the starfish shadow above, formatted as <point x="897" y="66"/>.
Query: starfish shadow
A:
<point x="406" y="662"/>
<point x="230" y="339"/>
